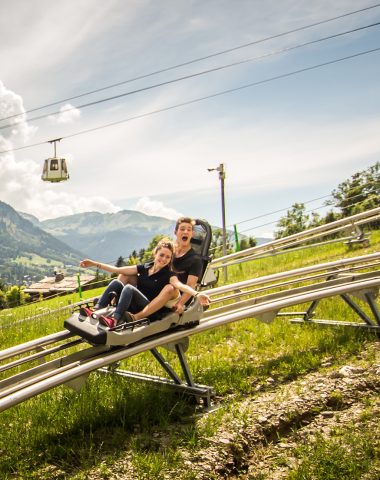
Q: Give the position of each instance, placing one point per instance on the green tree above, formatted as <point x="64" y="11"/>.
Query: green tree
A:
<point x="15" y="296"/>
<point x="216" y="246"/>
<point x="295" y="221"/>
<point x="331" y="216"/>
<point x="132" y="260"/>
<point x="359" y="193"/>
<point x="252" y="242"/>
<point x="3" y="300"/>
<point x="148" y="252"/>
<point x="120" y="262"/>
<point x="316" y="220"/>
<point x="248" y="243"/>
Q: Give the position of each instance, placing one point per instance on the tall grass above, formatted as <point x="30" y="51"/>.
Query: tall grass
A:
<point x="351" y="453"/>
<point x="62" y="431"/>
<point x="37" y="319"/>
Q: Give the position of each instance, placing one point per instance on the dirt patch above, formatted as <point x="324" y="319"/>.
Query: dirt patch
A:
<point x="260" y="440"/>
<point x="259" y="435"/>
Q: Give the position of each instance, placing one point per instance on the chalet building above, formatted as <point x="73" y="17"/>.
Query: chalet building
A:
<point x="59" y="284"/>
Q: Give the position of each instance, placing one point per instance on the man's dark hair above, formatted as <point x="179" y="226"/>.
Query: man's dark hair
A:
<point x="184" y="220"/>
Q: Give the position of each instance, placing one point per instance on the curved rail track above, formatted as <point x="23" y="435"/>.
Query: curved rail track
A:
<point x="36" y="366"/>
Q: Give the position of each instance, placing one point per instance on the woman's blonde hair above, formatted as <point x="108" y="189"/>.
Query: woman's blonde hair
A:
<point x="164" y="243"/>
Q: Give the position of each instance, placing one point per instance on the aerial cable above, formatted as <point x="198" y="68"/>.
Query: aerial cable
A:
<point x="307" y="211"/>
<point x="304" y="203"/>
<point x="193" y="75"/>
<point x="277" y="211"/>
<point x="200" y="99"/>
<point x="206" y="57"/>
<point x="276" y="221"/>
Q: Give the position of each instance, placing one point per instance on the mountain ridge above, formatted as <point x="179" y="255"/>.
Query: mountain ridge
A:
<point x="66" y="239"/>
<point x="106" y="236"/>
<point x="26" y="249"/>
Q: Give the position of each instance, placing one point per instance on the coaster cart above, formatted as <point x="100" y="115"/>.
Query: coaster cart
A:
<point x="129" y="333"/>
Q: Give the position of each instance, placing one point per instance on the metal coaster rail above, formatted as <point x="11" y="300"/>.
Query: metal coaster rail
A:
<point x="276" y="247"/>
<point x="354" y="280"/>
<point x="350" y="224"/>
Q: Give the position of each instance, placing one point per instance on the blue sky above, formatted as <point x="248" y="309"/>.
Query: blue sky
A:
<point x="285" y="141"/>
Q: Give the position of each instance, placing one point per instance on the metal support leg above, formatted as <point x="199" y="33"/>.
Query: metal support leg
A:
<point x="201" y="391"/>
<point x="369" y="324"/>
<point x="189" y="387"/>
<point x="357" y="309"/>
<point x="372" y="304"/>
<point x="166" y="366"/>
<point x="310" y="311"/>
<point x="184" y="364"/>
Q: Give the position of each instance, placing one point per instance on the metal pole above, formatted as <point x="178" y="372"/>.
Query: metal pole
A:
<point x="55" y="144"/>
<point x="222" y="176"/>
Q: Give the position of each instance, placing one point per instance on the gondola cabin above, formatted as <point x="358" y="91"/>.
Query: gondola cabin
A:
<point x="55" y="170"/>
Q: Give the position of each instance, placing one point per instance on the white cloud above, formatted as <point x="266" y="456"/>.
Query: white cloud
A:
<point x="42" y="38"/>
<point x="52" y="204"/>
<point x="67" y="114"/>
<point x="156" y="208"/>
<point x="22" y="188"/>
<point x="315" y="128"/>
<point x="20" y="180"/>
<point x="13" y="112"/>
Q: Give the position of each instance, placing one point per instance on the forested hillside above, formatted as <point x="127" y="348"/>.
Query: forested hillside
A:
<point x="26" y="250"/>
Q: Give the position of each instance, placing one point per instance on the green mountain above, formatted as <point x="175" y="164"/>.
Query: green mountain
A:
<point x="107" y="236"/>
<point x="27" y="250"/>
<point x="32" y="247"/>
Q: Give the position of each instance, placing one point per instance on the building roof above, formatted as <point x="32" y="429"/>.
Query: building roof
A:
<point x="65" y="285"/>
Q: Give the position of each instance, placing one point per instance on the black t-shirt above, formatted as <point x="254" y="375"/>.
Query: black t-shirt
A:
<point x="151" y="285"/>
<point x="188" y="264"/>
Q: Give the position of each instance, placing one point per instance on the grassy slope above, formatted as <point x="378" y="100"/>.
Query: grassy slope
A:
<point x="113" y="425"/>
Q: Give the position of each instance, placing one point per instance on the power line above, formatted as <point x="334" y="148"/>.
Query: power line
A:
<point x="277" y="211"/>
<point x="307" y="211"/>
<point x="276" y="221"/>
<point x="196" y="74"/>
<point x="200" y="99"/>
<point x="206" y="57"/>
